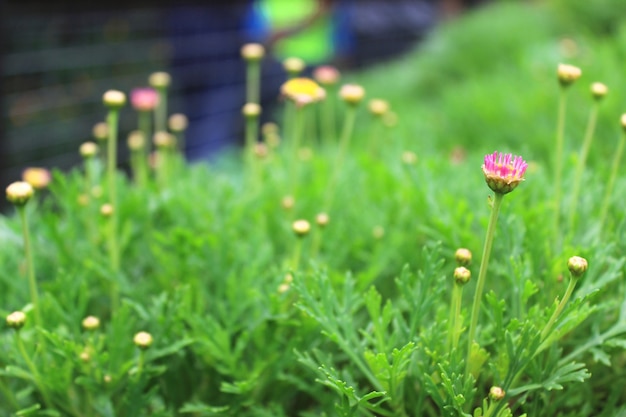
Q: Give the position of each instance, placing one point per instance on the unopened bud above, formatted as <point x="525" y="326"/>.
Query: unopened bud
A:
<point x="159" y="80"/>
<point x="164" y="140"/>
<point x="19" y="192"/>
<point x="352" y="94"/>
<point x="294" y="65"/>
<point x="378" y="107"/>
<point x="577" y="266"/>
<point x="462" y="275"/>
<point x="251" y="110"/>
<point x="567" y="74"/>
<point x="463" y="257"/>
<point x="252" y="52"/>
<point x="599" y="90"/>
<point x="288" y="202"/>
<point x="623" y="121"/>
<point x="16" y="320"/>
<point x="91" y="323"/>
<point x="409" y="157"/>
<point x="301" y="227"/>
<point x="88" y="150"/>
<point x="326" y="75"/>
<point x="496" y="393"/>
<point x="114" y="99"/>
<point x="100" y="131"/>
<point x="106" y="210"/>
<point x="322" y="219"/>
<point x="39" y="178"/>
<point x="143" y="340"/>
<point x="136" y="140"/>
<point x="178" y="122"/>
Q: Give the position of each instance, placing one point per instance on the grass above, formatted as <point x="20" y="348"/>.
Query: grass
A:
<point x="360" y="328"/>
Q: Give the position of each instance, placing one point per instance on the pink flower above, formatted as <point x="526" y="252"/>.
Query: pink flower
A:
<point x="144" y="99"/>
<point x="504" y="172"/>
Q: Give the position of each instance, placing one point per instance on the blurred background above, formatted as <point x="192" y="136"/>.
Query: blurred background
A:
<point x="59" y="57"/>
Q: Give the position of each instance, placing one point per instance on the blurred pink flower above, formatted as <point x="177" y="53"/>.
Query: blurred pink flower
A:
<point x="144" y="99"/>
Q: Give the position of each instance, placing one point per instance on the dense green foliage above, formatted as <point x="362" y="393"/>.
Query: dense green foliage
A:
<point x="363" y="329"/>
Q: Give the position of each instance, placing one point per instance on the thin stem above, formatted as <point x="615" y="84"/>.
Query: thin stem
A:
<point x="482" y="274"/>
<point x="457" y="296"/>
<point x="296" y="140"/>
<point x="327" y="116"/>
<point x="609" y="187"/>
<point x="580" y="168"/>
<point x="33" y="369"/>
<point x="344" y="142"/>
<point x="140" y="363"/>
<point x="375" y="136"/>
<point x="297" y="253"/>
<point x="317" y="241"/>
<point x="113" y="120"/>
<point x="160" y="111"/>
<point x="253" y="81"/>
<point x="558" y="162"/>
<point x="141" y="175"/>
<point x="559" y="308"/>
<point x="30" y="264"/>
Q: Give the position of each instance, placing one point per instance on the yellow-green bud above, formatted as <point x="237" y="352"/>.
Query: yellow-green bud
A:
<point x="378" y="107"/>
<point x="100" y="131"/>
<point x="159" y="80"/>
<point x="623" y="121"/>
<point x="409" y="157"/>
<point x="567" y="74"/>
<point x="462" y="275"/>
<point x="178" y="122"/>
<point x="352" y="94"/>
<point x="250" y="110"/>
<point x="136" y="140"/>
<point x="143" y="340"/>
<point x="294" y="65"/>
<point x="496" y="393"/>
<point x="19" y="192"/>
<point x="88" y="150"/>
<point x="577" y="266"/>
<point x="164" y="140"/>
<point x="378" y="232"/>
<point x="301" y="227"/>
<point x="288" y="202"/>
<point x="322" y="219"/>
<point x="252" y="52"/>
<point x="91" y="323"/>
<point x="599" y="90"/>
<point x="16" y="320"/>
<point x="106" y="210"/>
<point x="269" y="128"/>
<point x="114" y="99"/>
<point x="463" y="257"/>
<point x="39" y="178"/>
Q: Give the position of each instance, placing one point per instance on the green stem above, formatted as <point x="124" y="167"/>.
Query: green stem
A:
<point x="253" y="81"/>
<point x="113" y="120"/>
<point x="30" y="264"/>
<point x="296" y="140"/>
<point x="160" y="112"/>
<point x="455" y="311"/>
<point x="375" y="136"/>
<point x="33" y="370"/>
<point x="482" y="274"/>
<point x="559" y="309"/>
<point x="140" y="363"/>
<point x="580" y="168"/>
<point x="609" y="187"/>
<point x="297" y="253"/>
<point x="344" y="142"/>
<point x="317" y="242"/>
<point x="327" y="120"/>
<point x="558" y="162"/>
<point x="144" y="154"/>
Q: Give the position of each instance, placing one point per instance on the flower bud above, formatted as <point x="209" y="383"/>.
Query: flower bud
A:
<point x="496" y="393"/>
<point x="178" y="122"/>
<point x="294" y="65"/>
<point x="623" y="121"/>
<point x="39" y="178"/>
<point x="462" y="275"/>
<point x="84" y="356"/>
<point x="463" y="257"/>
<point x="326" y="75"/>
<point x="322" y="220"/>
<point x="159" y="80"/>
<point x="82" y="199"/>
<point x="88" y="150"/>
<point x="577" y="266"/>
<point x="378" y="107"/>
<point x="19" y="192"/>
<point x="114" y="99"/>
<point x="164" y="140"/>
<point x="288" y="202"/>
<point x="91" y="323"/>
<point x="599" y="90"/>
<point x="144" y="99"/>
<point x="16" y="320"/>
<point x="567" y="74"/>
<point x="136" y="140"/>
<point x="284" y="287"/>
<point x="100" y="131"/>
<point x="301" y="227"/>
<point x="352" y="94"/>
<point x="251" y="110"/>
<point x="260" y="150"/>
<point x="269" y="128"/>
<point x="378" y="232"/>
<point x="106" y="210"/>
<point x="252" y="52"/>
<point x="143" y="340"/>
<point x="409" y="157"/>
